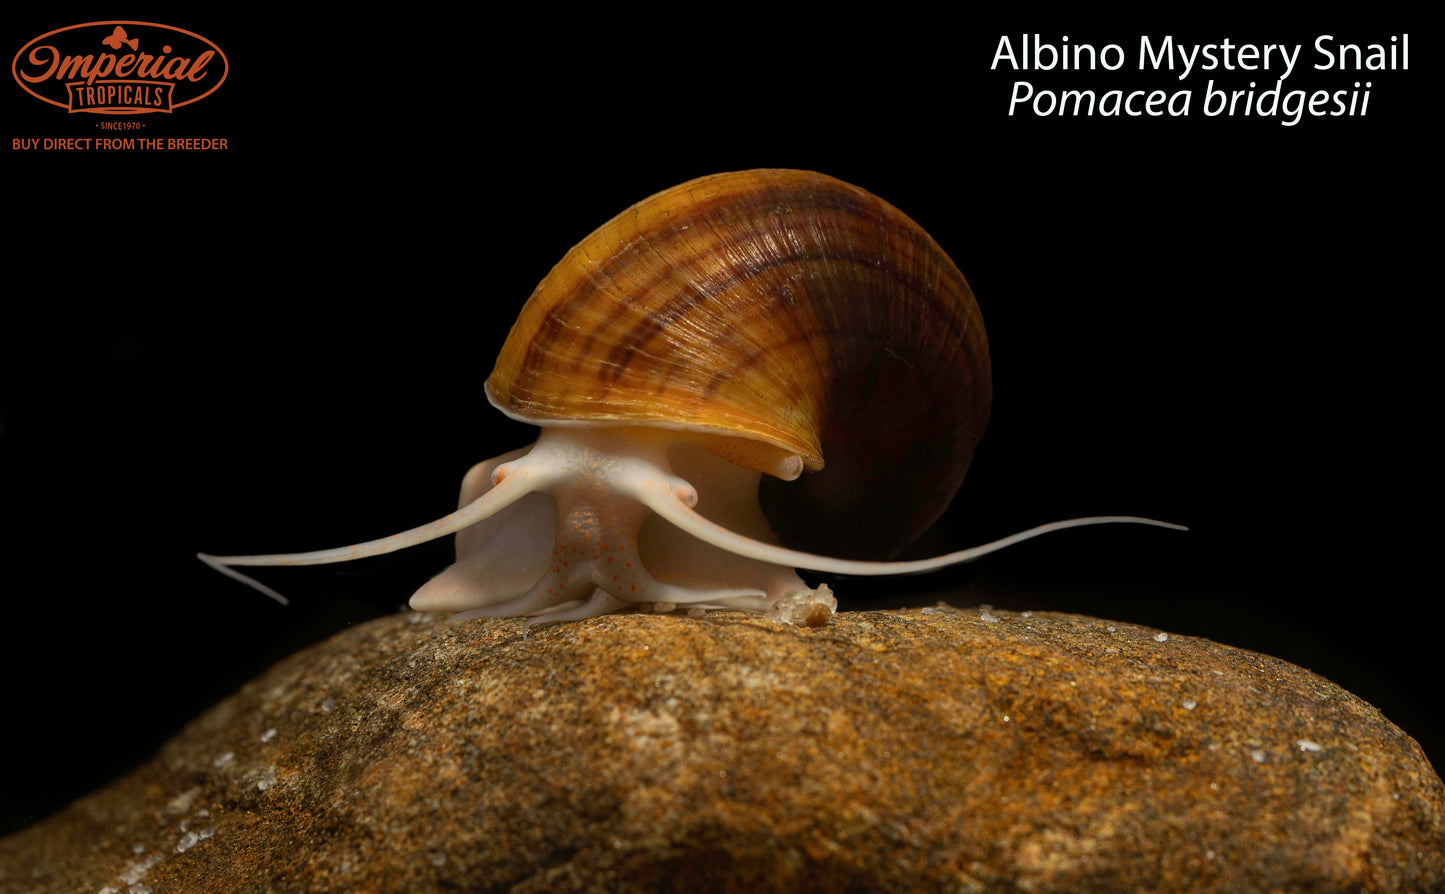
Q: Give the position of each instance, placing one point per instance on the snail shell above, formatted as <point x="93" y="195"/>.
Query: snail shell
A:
<point x="789" y="312"/>
<point x="687" y="362"/>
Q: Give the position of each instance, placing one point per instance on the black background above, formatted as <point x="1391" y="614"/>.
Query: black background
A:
<point x="1221" y="322"/>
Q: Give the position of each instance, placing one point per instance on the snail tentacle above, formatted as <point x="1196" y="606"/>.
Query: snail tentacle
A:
<point x="562" y="530"/>
<point x="685" y="518"/>
<point x="505" y="493"/>
<point x="216" y="563"/>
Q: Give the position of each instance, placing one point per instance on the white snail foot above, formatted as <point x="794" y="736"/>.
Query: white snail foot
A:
<point x="585" y="542"/>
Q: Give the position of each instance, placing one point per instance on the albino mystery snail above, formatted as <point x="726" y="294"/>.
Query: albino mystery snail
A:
<point x="687" y="362"/>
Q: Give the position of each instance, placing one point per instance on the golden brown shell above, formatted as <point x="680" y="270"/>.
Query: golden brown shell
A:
<point x="783" y="307"/>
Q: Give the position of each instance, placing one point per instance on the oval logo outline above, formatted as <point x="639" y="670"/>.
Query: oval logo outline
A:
<point x="225" y="70"/>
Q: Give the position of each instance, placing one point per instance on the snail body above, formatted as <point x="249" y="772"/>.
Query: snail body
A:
<point x="768" y="339"/>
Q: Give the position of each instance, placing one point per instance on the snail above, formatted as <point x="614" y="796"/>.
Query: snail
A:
<point x="731" y="377"/>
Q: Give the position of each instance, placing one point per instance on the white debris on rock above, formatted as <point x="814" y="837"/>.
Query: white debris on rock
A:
<point x="182" y="803"/>
<point x="137" y="871"/>
<point x="802" y="607"/>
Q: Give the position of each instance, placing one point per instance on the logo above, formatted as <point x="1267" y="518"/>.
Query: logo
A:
<point x="120" y="68"/>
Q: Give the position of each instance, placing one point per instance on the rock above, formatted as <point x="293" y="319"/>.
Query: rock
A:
<point x="932" y="749"/>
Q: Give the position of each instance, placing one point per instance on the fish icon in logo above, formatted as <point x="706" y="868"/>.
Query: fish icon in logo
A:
<point x="118" y="37"/>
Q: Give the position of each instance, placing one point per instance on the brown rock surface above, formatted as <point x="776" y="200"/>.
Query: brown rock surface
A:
<point x="933" y="749"/>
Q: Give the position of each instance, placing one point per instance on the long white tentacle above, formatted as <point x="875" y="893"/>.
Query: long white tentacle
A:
<point x="519" y="482"/>
<point x="602" y="480"/>
<point x="662" y="500"/>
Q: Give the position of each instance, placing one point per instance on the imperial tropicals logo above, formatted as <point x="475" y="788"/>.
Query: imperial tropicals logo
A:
<point x="120" y="68"/>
